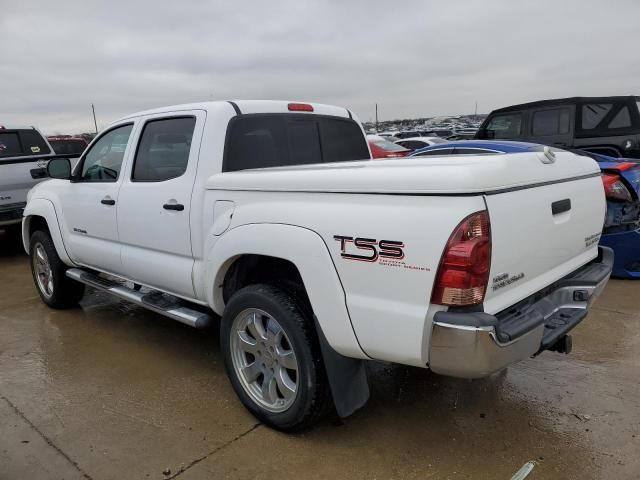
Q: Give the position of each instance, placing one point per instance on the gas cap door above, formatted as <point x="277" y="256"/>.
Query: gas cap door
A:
<point x="222" y="214"/>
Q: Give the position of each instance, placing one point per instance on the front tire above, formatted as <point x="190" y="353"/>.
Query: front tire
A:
<point x="54" y="288"/>
<point x="273" y="358"/>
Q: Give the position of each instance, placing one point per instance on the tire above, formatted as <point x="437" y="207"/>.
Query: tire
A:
<point x="240" y="328"/>
<point x="54" y="288"/>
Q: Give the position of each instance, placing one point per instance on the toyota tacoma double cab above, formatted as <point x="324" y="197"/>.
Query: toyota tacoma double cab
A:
<point x="270" y="218"/>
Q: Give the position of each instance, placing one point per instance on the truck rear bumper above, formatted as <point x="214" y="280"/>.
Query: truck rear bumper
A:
<point x="477" y="344"/>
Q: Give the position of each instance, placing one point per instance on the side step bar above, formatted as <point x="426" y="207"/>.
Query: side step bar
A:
<point x="159" y="302"/>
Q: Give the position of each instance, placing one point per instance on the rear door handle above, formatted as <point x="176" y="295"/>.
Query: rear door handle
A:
<point x="173" y="206"/>
<point x="108" y="201"/>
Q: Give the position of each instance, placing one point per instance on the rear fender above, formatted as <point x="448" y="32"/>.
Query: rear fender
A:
<point x="41" y="207"/>
<point x="308" y="252"/>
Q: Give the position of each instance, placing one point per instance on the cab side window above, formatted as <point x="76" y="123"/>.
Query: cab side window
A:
<point x="163" y="150"/>
<point x="103" y="161"/>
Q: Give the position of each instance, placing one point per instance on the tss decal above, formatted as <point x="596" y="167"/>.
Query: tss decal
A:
<point x="369" y="249"/>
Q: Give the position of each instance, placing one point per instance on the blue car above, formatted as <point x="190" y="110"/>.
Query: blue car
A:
<point x="621" y="180"/>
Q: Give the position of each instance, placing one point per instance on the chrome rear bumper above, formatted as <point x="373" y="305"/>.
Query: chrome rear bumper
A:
<point x="476" y="344"/>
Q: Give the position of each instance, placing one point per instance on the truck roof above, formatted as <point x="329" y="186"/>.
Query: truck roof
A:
<point x="564" y="101"/>
<point x="250" y="106"/>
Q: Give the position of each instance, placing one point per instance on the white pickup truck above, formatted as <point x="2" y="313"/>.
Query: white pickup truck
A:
<point x="253" y="211"/>
<point x="24" y="153"/>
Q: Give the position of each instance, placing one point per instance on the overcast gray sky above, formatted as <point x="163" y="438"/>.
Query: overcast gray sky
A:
<point x="415" y="58"/>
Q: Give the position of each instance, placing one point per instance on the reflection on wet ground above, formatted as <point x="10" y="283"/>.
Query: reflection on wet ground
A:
<point x="112" y="391"/>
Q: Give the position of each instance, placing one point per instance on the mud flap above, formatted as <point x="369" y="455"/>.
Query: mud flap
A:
<point x="347" y="377"/>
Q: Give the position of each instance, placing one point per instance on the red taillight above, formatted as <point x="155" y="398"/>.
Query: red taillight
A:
<point x="463" y="273"/>
<point x="300" y="107"/>
<point x="614" y="189"/>
<point x="622" y="166"/>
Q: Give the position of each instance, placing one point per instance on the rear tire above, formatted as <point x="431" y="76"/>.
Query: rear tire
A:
<point x="273" y="358"/>
<point x="54" y="287"/>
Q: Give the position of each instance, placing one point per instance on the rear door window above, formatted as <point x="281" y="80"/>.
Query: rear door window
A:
<point x="550" y="122"/>
<point x="10" y="144"/>
<point x="274" y="140"/>
<point x="163" y="150"/>
<point x="33" y="143"/>
<point x="593" y="114"/>
<point x="622" y="119"/>
<point x="504" y="126"/>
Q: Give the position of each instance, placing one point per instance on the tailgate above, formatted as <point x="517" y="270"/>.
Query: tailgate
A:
<point x="539" y="235"/>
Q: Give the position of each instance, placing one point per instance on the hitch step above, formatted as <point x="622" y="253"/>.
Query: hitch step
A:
<point x="159" y="302"/>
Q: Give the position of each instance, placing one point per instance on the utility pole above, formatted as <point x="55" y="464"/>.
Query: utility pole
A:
<point x="95" y="123"/>
<point x="376" y="118"/>
<point x="475" y="114"/>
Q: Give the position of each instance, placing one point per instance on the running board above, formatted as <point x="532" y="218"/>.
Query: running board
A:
<point x="159" y="302"/>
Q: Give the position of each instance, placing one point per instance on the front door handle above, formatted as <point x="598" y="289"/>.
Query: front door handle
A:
<point x="108" y="201"/>
<point x="173" y="206"/>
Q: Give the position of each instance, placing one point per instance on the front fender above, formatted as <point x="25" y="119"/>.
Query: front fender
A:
<point x="44" y="208"/>
<point x="308" y="252"/>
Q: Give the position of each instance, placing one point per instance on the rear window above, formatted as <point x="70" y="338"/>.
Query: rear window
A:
<point x="388" y="146"/>
<point x="505" y="126"/>
<point x="604" y="119"/>
<point x="413" y="144"/>
<point x="22" y="143"/>
<point x="275" y="140"/>
<point x="437" y="151"/>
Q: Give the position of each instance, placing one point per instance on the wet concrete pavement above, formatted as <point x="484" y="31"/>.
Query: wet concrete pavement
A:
<point x="110" y="391"/>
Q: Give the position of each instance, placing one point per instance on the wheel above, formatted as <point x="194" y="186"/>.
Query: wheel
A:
<point x="273" y="358"/>
<point x="55" y="289"/>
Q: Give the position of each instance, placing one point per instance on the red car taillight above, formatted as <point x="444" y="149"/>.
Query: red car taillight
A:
<point x="614" y="189"/>
<point x="463" y="273"/>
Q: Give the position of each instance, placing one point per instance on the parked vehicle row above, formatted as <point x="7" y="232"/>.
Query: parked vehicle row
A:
<point x="381" y="147"/>
<point x="605" y="125"/>
<point x="621" y="181"/>
<point x="271" y="216"/>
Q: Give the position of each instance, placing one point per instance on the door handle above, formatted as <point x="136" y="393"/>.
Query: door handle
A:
<point x="108" y="201"/>
<point x="178" y="207"/>
<point x="561" y="206"/>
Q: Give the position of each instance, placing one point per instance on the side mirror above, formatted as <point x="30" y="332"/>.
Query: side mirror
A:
<point x="59" y="168"/>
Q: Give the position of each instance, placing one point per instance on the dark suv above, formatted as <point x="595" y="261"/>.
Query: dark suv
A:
<point x="606" y="125"/>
